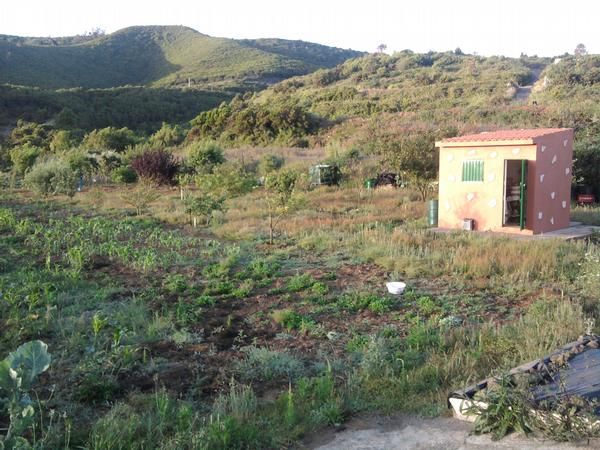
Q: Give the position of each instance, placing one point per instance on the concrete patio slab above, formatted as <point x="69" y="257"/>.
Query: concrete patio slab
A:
<point x="575" y="231"/>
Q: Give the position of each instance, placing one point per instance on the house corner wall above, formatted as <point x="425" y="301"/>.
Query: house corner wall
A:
<point x="552" y="183"/>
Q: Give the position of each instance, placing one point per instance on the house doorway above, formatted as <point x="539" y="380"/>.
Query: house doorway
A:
<point x="515" y="192"/>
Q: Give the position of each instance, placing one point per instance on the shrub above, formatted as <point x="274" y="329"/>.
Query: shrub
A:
<point x="81" y="162"/>
<point x="300" y="282"/>
<point x="167" y="136"/>
<point x="260" y="363"/>
<point x="291" y="320"/>
<point x="203" y="206"/>
<point x="110" y="138"/>
<point x="124" y="174"/>
<point x="227" y="180"/>
<point x="204" y="156"/>
<point x="23" y="158"/>
<point x="52" y="177"/>
<point x="270" y="163"/>
<point x="157" y="166"/>
<point x="141" y="197"/>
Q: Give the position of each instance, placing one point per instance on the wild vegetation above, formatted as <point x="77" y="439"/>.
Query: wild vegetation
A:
<point x="195" y="291"/>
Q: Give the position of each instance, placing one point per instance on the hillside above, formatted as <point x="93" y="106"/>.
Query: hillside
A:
<point x="411" y="91"/>
<point x="426" y="90"/>
<point x="159" y="56"/>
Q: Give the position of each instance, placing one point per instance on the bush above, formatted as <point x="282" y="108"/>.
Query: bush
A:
<point x="264" y="364"/>
<point x="52" y="177"/>
<point x="124" y="174"/>
<point x="23" y="158"/>
<point x="204" y="156"/>
<point x="157" y="166"/>
<point x="110" y="138"/>
<point x="167" y="136"/>
<point x="270" y="163"/>
<point x="81" y="162"/>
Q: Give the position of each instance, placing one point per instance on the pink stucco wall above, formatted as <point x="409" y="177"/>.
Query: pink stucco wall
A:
<point x="548" y="184"/>
<point x="552" y="183"/>
<point x="482" y="201"/>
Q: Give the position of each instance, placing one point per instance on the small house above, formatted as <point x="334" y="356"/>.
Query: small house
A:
<point x="515" y="181"/>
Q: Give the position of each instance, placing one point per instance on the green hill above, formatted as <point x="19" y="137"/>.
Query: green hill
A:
<point x="159" y="56"/>
<point x="405" y="90"/>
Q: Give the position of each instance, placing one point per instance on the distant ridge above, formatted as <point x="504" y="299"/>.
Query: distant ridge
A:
<point x="159" y="56"/>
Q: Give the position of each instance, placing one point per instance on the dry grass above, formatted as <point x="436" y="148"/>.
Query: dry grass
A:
<point x="326" y="209"/>
<point x="292" y="155"/>
<point x="421" y="252"/>
<point x="589" y="215"/>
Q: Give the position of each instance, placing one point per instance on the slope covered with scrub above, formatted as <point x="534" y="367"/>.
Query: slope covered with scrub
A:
<point x="159" y="56"/>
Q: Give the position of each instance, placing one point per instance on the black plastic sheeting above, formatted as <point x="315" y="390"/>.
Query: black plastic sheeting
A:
<point x="580" y="376"/>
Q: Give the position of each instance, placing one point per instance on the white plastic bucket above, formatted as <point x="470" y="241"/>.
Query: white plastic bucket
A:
<point x="395" y="287"/>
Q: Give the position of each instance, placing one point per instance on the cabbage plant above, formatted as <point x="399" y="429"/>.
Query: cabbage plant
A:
<point x="17" y="375"/>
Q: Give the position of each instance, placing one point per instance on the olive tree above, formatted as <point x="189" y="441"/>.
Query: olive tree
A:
<point x="281" y="198"/>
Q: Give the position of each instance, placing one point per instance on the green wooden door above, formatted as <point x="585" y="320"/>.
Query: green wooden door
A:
<point x="523" y="194"/>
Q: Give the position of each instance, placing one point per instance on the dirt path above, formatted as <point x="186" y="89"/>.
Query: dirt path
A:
<point x="407" y="433"/>
<point x="523" y="92"/>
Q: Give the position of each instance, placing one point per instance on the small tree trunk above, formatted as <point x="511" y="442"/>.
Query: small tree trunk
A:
<point x="195" y="221"/>
<point x="270" y="229"/>
<point x="181" y="192"/>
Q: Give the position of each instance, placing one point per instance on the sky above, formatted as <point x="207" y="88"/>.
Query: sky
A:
<point x="486" y="27"/>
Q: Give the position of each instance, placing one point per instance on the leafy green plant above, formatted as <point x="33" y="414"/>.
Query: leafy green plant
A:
<point x="17" y="375"/>
<point x="300" y="282"/>
<point x="291" y="320"/>
<point x="506" y="409"/>
<point x="175" y="283"/>
<point x="7" y="219"/>
<point x="359" y="301"/>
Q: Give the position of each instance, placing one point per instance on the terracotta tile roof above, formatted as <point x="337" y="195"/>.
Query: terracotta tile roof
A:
<point x="505" y="135"/>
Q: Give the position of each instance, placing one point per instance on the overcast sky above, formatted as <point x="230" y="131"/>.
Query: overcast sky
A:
<point x="506" y="27"/>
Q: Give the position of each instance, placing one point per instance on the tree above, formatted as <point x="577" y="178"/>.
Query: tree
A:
<point x="586" y="167"/>
<point x="62" y="140"/>
<point x="413" y="157"/>
<point x="204" y="156"/>
<point x="203" y="204"/>
<point x="29" y="133"/>
<point x="381" y="48"/>
<point x="109" y="138"/>
<point x="141" y="197"/>
<point x="167" y="136"/>
<point x="23" y="158"/>
<point x="280" y="197"/>
<point x="580" y="50"/>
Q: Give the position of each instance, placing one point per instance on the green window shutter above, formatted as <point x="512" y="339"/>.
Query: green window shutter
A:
<point x="472" y="170"/>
